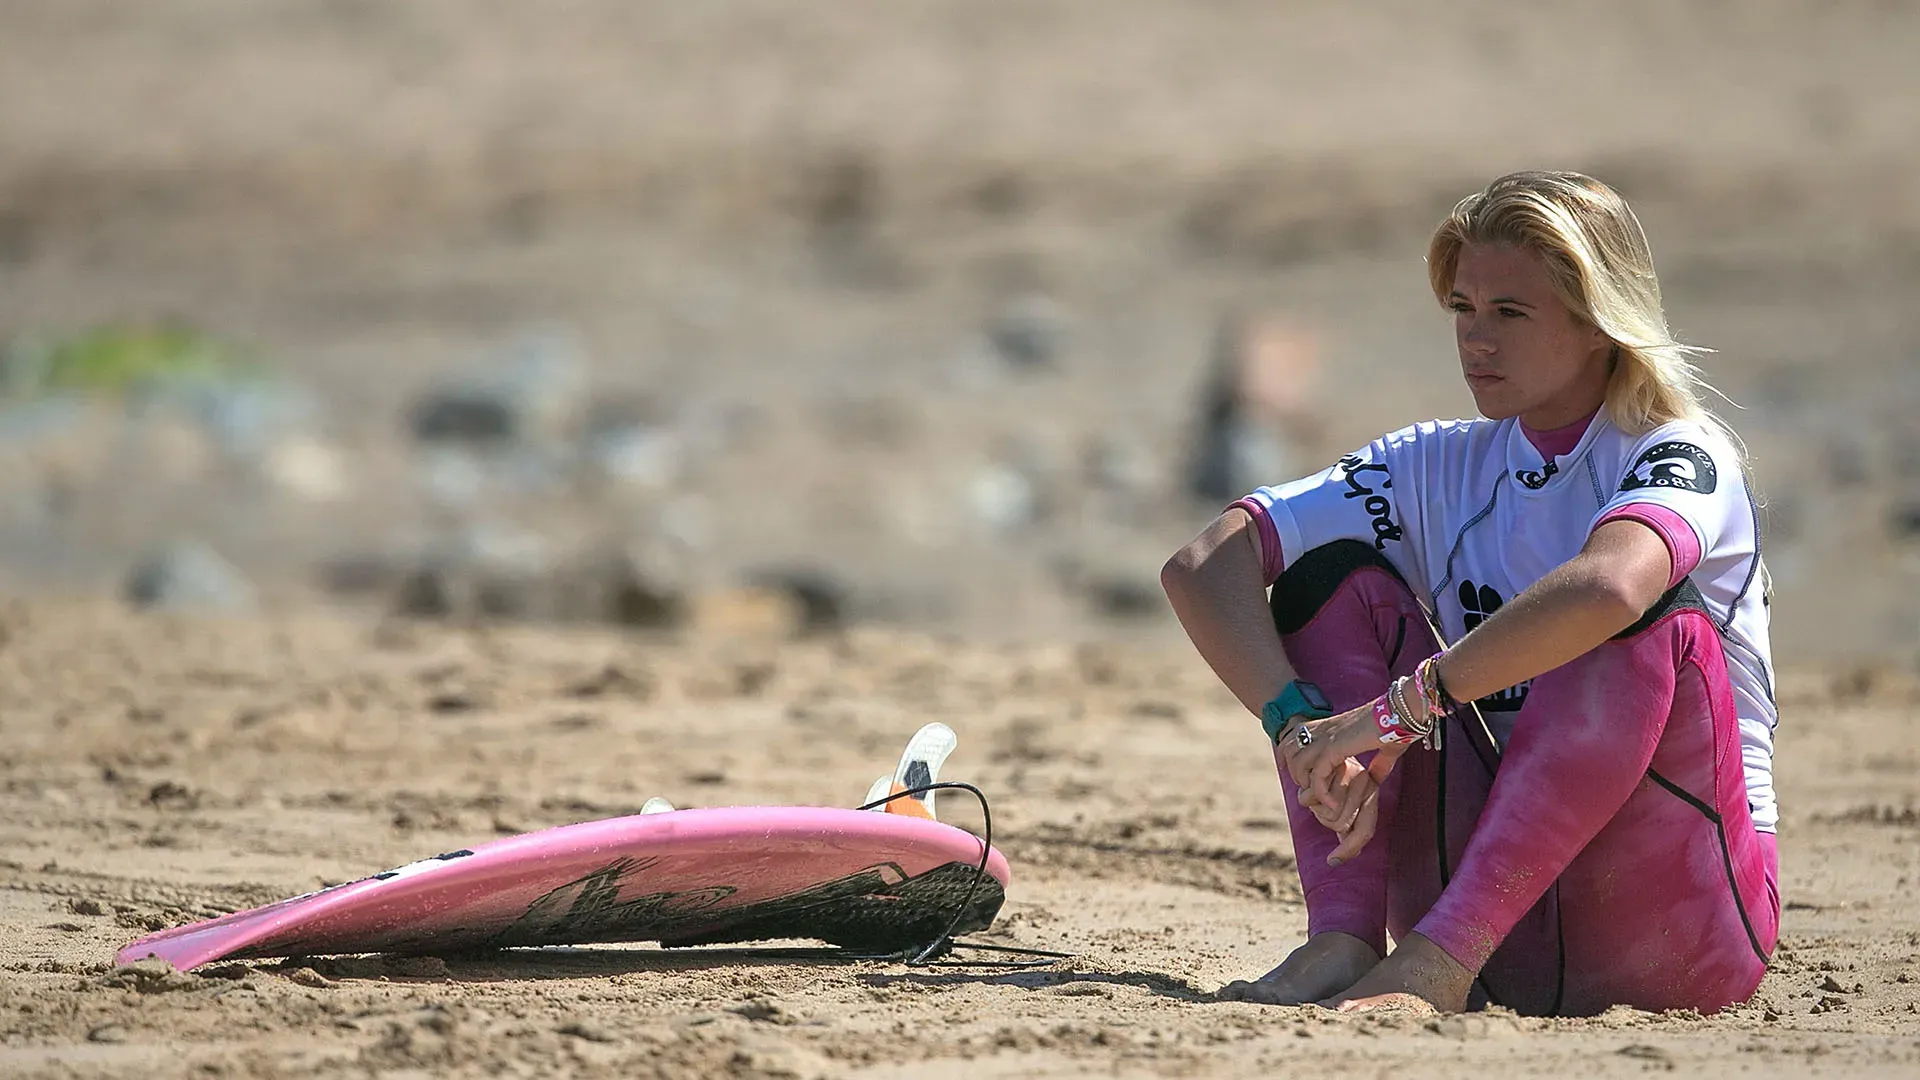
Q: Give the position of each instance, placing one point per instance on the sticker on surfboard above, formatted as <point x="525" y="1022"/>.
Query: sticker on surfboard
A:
<point x="874" y="883"/>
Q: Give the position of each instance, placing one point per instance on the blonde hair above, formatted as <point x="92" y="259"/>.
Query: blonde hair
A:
<point x="1601" y="267"/>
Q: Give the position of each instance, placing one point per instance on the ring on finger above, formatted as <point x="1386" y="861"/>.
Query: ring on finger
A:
<point x="1303" y="737"/>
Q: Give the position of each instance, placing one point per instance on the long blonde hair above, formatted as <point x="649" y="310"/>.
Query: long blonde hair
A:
<point x="1601" y="267"/>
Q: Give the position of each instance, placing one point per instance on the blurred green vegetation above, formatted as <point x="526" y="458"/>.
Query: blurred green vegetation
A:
<point x="115" y="360"/>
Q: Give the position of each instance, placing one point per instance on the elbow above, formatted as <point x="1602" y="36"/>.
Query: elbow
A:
<point x="1622" y="597"/>
<point x="1178" y="573"/>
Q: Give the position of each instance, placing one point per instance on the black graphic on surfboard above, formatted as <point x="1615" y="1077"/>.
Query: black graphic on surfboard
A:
<point x="877" y="909"/>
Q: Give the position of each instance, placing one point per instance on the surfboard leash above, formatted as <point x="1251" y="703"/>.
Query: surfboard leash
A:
<point x="945" y="943"/>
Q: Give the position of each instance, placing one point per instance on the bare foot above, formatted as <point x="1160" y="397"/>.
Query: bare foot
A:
<point x="1417" y="975"/>
<point x="1327" y="964"/>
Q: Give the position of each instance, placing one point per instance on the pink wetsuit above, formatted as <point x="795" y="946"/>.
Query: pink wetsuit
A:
<point x="1592" y="846"/>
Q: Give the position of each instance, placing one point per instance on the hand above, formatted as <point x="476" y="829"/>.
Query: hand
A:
<point x="1316" y="766"/>
<point x="1350" y="788"/>
<point x="1357" y="814"/>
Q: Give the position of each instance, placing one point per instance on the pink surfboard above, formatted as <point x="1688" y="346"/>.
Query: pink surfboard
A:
<point x="872" y="882"/>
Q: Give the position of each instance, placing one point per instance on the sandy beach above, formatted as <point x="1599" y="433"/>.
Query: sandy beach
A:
<point x="868" y="352"/>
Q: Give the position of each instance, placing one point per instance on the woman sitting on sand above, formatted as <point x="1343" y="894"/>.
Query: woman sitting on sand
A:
<point x="1595" y="824"/>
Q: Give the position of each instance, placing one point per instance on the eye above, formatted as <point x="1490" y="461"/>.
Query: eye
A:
<point x="1460" y="306"/>
<point x="1512" y="313"/>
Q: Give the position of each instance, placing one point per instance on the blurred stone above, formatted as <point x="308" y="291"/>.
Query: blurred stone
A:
<point x="636" y="456"/>
<point x="452" y="477"/>
<point x="1031" y="332"/>
<point x="424" y="593"/>
<point x="463" y="414"/>
<point x="1004" y="498"/>
<point x="619" y="585"/>
<point x="484" y="570"/>
<point x="187" y="576"/>
<point x="1120" y="596"/>
<point x="529" y="389"/>
<point x="358" y="573"/>
<point x="244" y="419"/>
<point x="1120" y="466"/>
<point x="1903" y="521"/>
<point x="306" y="468"/>
<point x="749" y="611"/>
<point x="823" y="598"/>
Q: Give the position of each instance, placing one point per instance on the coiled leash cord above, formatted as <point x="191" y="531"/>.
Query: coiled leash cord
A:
<point x="945" y="943"/>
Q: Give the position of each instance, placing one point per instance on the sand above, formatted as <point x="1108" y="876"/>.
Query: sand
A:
<point x="798" y="219"/>
<point x="163" y="770"/>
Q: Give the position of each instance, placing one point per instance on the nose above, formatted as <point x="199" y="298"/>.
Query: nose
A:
<point x="1477" y="336"/>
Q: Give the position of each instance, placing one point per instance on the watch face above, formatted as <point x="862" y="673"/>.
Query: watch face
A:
<point x="1312" y="695"/>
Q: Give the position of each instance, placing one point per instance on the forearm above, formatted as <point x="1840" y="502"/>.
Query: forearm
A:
<point x="1561" y="617"/>
<point x="1217" y="591"/>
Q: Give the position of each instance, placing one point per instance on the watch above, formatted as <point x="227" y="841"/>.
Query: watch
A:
<point x="1296" y="699"/>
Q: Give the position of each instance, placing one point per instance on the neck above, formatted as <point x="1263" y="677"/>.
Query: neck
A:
<point x="1555" y="441"/>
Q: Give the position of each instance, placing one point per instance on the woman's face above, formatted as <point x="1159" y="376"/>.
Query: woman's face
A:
<point x="1523" y="352"/>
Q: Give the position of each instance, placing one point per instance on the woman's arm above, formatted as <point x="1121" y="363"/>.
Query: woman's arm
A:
<point x="1620" y="573"/>
<point x="1217" y="591"/>
<point x="1616" y="578"/>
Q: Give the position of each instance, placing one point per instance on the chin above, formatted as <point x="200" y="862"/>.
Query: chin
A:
<point x="1494" y="408"/>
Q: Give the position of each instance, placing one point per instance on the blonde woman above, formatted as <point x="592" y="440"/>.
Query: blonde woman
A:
<point x="1570" y="806"/>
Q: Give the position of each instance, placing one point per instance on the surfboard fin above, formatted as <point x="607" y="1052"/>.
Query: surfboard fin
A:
<point x="919" y="766"/>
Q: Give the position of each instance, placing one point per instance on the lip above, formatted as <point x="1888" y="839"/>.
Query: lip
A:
<point x="1481" y="378"/>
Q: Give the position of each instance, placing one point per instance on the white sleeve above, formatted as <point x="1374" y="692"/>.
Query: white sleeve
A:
<point x="1691" y="472"/>
<point x="1355" y="499"/>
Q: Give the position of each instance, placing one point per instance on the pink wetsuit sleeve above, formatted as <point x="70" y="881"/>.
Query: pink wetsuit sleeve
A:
<point x="1270" y="560"/>
<point x="1682" y="545"/>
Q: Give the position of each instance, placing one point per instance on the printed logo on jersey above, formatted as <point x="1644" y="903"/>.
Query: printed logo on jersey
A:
<point x="1537" y="480"/>
<point x="1477" y="602"/>
<point x="1364" y="487"/>
<point x="1673" y="465"/>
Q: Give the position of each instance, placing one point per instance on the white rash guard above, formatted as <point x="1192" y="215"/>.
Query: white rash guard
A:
<point x="1471" y="515"/>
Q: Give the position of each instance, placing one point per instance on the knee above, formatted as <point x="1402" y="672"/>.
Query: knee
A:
<point x="1312" y="581"/>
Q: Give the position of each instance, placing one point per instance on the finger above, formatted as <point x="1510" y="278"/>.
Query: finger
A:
<point x="1322" y="780"/>
<point x="1383" y="762"/>
<point x="1358" y="791"/>
<point x="1323" y="814"/>
<point x="1356" y="837"/>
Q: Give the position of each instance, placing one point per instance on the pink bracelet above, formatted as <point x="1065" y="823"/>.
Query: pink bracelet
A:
<point x="1392" y="729"/>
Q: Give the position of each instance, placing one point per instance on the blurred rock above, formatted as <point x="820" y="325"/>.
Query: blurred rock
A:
<point x="1031" y="332"/>
<point x="1121" y="596"/>
<point x="483" y="571"/>
<point x="306" y="468"/>
<point x="1108" y="585"/>
<point x="1004" y="498"/>
<point x="531" y="389"/>
<point x="1116" y="465"/>
<point x="626" y="588"/>
<point x="1903" y="520"/>
<point x="187" y="576"/>
<point x="244" y="419"/>
<point x="476" y="414"/>
<point x="822" y="598"/>
<point x="451" y="477"/>
<point x="635" y="456"/>
<point x="361" y="573"/>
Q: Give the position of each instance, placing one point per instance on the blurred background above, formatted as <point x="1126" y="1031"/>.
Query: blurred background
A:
<point x="940" y="312"/>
